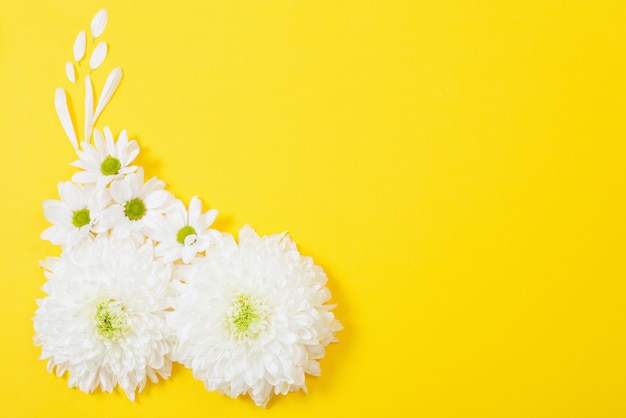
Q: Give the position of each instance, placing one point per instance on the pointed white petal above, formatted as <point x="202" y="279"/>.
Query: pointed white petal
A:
<point x="69" y="71"/>
<point x="89" y="121"/>
<point x="207" y="219"/>
<point x="79" y="46"/>
<point x="98" y="55"/>
<point x="100" y="148"/>
<point x="113" y="81"/>
<point x="99" y="23"/>
<point x="60" y="104"/>
<point x="195" y="208"/>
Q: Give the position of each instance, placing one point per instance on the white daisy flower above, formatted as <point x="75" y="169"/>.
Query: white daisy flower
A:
<point x="76" y="216"/>
<point x="182" y="234"/>
<point x="252" y="319"/>
<point x="104" y="319"/>
<point x="106" y="160"/>
<point x="137" y="206"/>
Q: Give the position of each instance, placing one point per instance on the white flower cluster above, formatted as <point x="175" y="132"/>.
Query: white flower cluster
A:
<point x="143" y="280"/>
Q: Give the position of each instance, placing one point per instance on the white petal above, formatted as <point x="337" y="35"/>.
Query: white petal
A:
<point x="190" y="239"/>
<point x="98" y="55"/>
<point x="131" y="152"/>
<point x="58" y="215"/>
<point x="120" y="191"/>
<point x="98" y="141"/>
<point x="99" y="23"/>
<point x="188" y="253"/>
<point x="89" y="121"/>
<point x="195" y="209"/>
<point x="69" y="71"/>
<point x="113" y="81"/>
<point x="85" y="177"/>
<point x="110" y="142"/>
<point x="157" y="199"/>
<point x="79" y="46"/>
<point x="60" y="104"/>
<point x="207" y="219"/>
<point x="54" y="234"/>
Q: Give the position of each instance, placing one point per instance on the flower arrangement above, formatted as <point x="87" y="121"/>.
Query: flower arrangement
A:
<point x="143" y="280"/>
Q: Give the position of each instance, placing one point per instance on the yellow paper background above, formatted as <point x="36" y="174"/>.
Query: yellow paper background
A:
<point x="456" y="167"/>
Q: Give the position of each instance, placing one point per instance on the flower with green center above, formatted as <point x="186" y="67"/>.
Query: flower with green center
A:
<point x="134" y="209"/>
<point x="76" y="217"/>
<point x="137" y="207"/>
<point x="110" y="166"/>
<point x="81" y="218"/>
<point x="252" y="318"/>
<point x="103" y="319"/>
<point x="111" y="320"/>
<point x="106" y="160"/>
<point x="183" y="233"/>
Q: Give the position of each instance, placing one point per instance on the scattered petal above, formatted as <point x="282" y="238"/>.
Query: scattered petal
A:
<point x="99" y="23"/>
<point x="113" y="81"/>
<point x="69" y="71"/>
<point x="79" y="46"/>
<point x="98" y="55"/>
<point x="60" y="104"/>
<point x="89" y="121"/>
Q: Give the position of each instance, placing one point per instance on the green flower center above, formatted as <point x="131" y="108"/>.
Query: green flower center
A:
<point x="135" y="209"/>
<point x="111" y="320"/>
<point x="247" y="318"/>
<point x="81" y="218"/>
<point x="110" y="165"/>
<point x="184" y="232"/>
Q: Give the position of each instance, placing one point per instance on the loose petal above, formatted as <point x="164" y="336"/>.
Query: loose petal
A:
<point x="60" y="104"/>
<point x="69" y="70"/>
<point x="89" y="121"/>
<point x="79" y="46"/>
<point x="113" y="81"/>
<point x="98" y="55"/>
<point x="99" y="23"/>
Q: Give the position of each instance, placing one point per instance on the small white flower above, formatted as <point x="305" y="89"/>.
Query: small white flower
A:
<point x="137" y="206"/>
<point x="104" y="319"/>
<point x="183" y="234"/>
<point x="106" y="160"/>
<point x="76" y="216"/>
<point x="252" y="319"/>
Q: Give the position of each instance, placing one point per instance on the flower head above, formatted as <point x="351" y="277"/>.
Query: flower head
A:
<point x="104" y="319"/>
<point x="184" y="233"/>
<point x="251" y="318"/>
<point x="76" y="216"/>
<point x="106" y="160"/>
<point x="137" y="206"/>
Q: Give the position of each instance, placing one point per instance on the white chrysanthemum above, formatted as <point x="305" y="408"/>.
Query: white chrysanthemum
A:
<point x="106" y="160"/>
<point x="76" y="216"/>
<point x="104" y="319"/>
<point x="252" y="319"/>
<point x="182" y="234"/>
<point x="137" y="206"/>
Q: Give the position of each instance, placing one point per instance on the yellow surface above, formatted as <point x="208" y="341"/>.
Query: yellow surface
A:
<point x="457" y="168"/>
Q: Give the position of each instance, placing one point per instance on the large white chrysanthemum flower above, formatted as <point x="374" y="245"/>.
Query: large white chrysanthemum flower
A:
<point x="106" y="160"/>
<point x="137" y="206"/>
<point x="251" y="318"/>
<point x="104" y="319"/>
<point x="76" y="216"/>
<point x="182" y="234"/>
